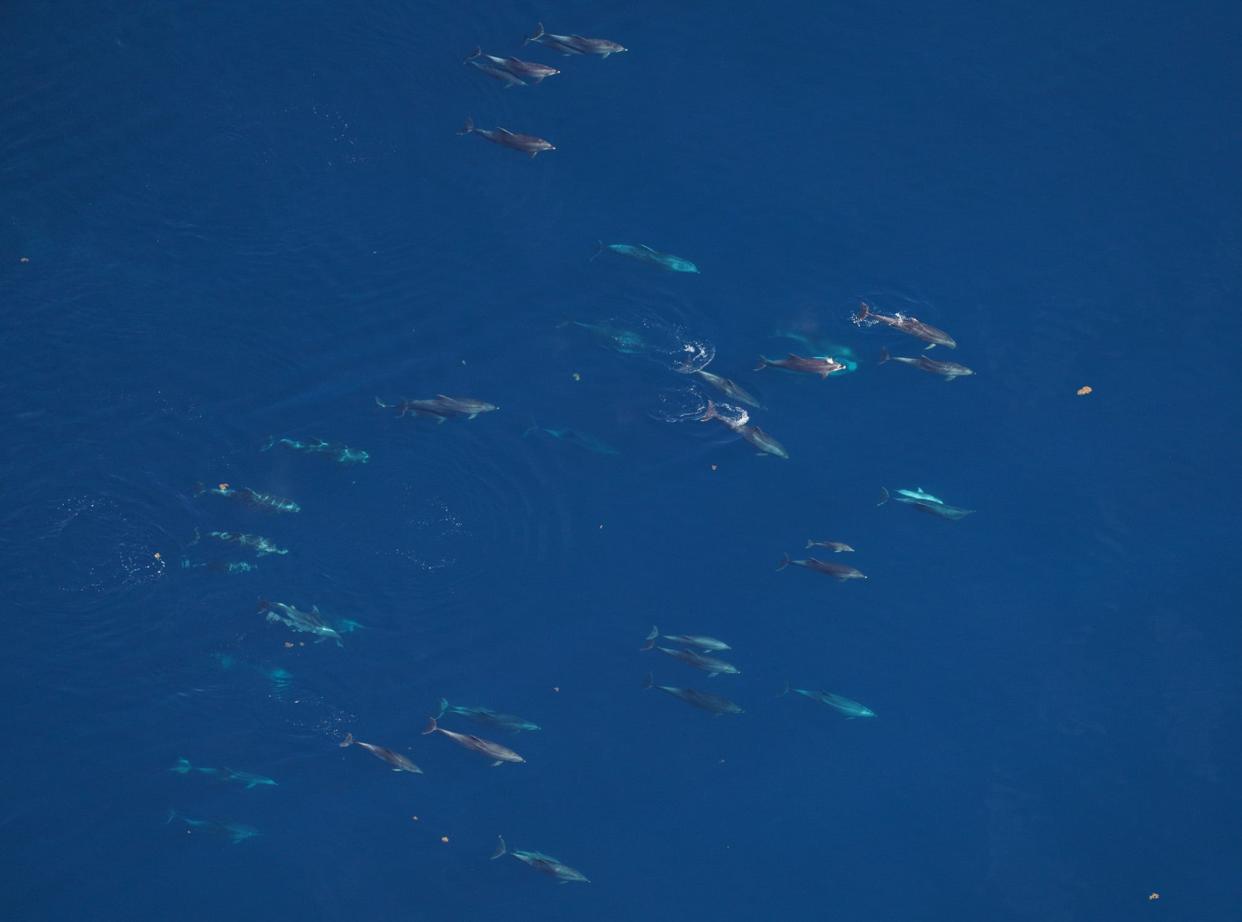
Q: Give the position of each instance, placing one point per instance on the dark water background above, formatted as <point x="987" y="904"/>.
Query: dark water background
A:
<point x="225" y="221"/>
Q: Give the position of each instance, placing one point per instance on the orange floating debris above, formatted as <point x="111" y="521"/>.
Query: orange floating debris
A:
<point x="157" y="555"/>
<point x="223" y="486"/>
<point x="1154" y="896"/>
<point x="1084" y="390"/>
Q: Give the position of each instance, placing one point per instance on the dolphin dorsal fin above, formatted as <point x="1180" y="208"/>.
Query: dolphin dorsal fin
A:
<point x="504" y="131"/>
<point x="645" y="247"/>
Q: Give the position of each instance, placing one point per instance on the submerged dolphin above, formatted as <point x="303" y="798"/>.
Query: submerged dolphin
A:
<point x="702" y="641"/>
<point x="646" y="254"/>
<point x="249" y="496"/>
<point x="850" y="708"/>
<point x="342" y="454"/>
<point x="563" y="873"/>
<point x="486" y="716"/>
<point x="574" y="437"/>
<point x="234" y="832"/>
<point x="709" y="664"/>
<point x="250" y="780"/>
<point x="699" y="699"/>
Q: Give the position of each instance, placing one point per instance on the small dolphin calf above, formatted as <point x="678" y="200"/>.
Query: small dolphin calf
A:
<point x="815" y="365"/>
<point x="526" y="143"/>
<point x="574" y="44"/>
<point x="701" y="641"/>
<point x="851" y="709"/>
<point x="707" y="702"/>
<point x="563" y="873"/>
<point x="645" y="254"/>
<point x="398" y="762"/>
<point x="950" y="371"/>
<point x="838" y="571"/>
<point x="500" y="753"/>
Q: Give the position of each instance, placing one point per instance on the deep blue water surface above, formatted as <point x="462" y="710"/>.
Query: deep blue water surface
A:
<point x="228" y="221"/>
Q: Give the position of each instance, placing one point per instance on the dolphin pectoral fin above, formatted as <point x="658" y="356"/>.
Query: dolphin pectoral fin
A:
<point x="497" y="763"/>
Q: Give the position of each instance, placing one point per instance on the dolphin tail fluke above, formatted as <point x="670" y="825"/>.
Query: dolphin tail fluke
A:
<point x="864" y="311"/>
<point x="538" y="34"/>
<point x="883" y="496"/>
<point x="431" y="727"/>
<point x="785" y="692"/>
<point x="468" y="127"/>
<point x="264" y="604"/>
<point x="383" y="406"/>
<point x="763" y="363"/>
<point x="478" y="50"/>
<point x="444" y="706"/>
<point x="884" y="356"/>
<point x="650" y="639"/>
<point x="348" y="741"/>
<point x="267" y="446"/>
<point x="500" y="848"/>
<point x="648" y="681"/>
<point x="784" y="563"/>
<point x="172" y="815"/>
<point x="182" y="767"/>
<point x="710" y="413"/>
<point x="533" y="427"/>
<point x="599" y="248"/>
<point x="199" y="488"/>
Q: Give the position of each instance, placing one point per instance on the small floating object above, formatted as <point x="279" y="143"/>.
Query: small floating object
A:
<point x="1083" y="392"/>
<point x="1154" y="896"/>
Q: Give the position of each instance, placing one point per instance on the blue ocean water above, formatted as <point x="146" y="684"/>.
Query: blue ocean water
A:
<point x="226" y="222"/>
